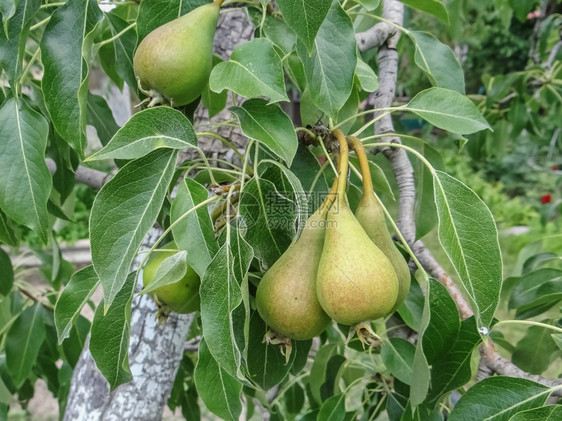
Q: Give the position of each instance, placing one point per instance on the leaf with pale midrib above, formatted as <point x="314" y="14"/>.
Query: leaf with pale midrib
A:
<point x="23" y="342"/>
<point x="150" y="129"/>
<point x="110" y="335"/>
<point x="25" y="181"/>
<point x="123" y="212"/>
<point x="305" y="17"/>
<point x="448" y="110"/>
<point x="65" y="52"/>
<point x="469" y="236"/>
<point x="498" y="398"/>
<point x="73" y="298"/>
<point x="219" y="391"/>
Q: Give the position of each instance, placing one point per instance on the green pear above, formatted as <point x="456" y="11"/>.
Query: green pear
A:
<point x="175" y="60"/>
<point x="181" y="296"/>
<point x="370" y="215"/>
<point x="286" y="296"/>
<point x="356" y="282"/>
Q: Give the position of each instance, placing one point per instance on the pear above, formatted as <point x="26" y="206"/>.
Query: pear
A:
<point x="174" y="61"/>
<point x="370" y="215"/>
<point x="181" y="296"/>
<point x="286" y="295"/>
<point x="356" y="281"/>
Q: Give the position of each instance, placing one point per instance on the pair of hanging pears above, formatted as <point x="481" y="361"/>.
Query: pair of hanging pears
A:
<point x="343" y="267"/>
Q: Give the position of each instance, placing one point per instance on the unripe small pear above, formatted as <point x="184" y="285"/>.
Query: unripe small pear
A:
<point x="181" y="296"/>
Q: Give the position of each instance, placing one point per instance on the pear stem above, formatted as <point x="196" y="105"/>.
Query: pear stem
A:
<point x="218" y="2"/>
<point x="359" y="149"/>
<point x="344" y="165"/>
<point x="328" y="201"/>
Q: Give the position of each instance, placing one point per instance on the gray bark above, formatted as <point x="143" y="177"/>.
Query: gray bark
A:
<point x="154" y="351"/>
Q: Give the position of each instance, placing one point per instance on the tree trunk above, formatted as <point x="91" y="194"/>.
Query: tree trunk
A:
<point x="154" y="351"/>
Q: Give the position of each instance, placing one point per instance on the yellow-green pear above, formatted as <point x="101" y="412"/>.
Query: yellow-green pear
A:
<point x="370" y="215"/>
<point x="356" y="282"/>
<point x="286" y="296"/>
<point x="174" y="61"/>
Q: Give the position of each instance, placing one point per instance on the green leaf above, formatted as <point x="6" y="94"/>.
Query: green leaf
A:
<point x="146" y="131"/>
<point x="420" y="367"/>
<point x="521" y="8"/>
<point x="433" y="7"/>
<point x="468" y="234"/>
<point x="546" y="413"/>
<point x="557" y="338"/>
<point x="444" y="323"/>
<point x="74" y="344"/>
<point x="411" y="310"/>
<point x="368" y="80"/>
<point x="448" y="110"/>
<point x="110" y="335"/>
<point x="422" y="413"/>
<point x="170" y="271"/>
<point x="294" y="399"/>
<point x="223" y="313"/>
<point x="290" y="187"/>
<point x="278" y="32"/>
<point x="23" y="342"/>
<point x="380" y="181"/>
<point x="535" y="351"/>
<point x="254" y="70"/>
<point x="329" y="68"/>
<point x="122" y="47"/>
<point x="452" y="369"/>
<point x="212" y="101"/>
<point x="306" y="167"/>
<point x="72" y="299"/>
<point x="65" y="53"/>
<point x="498" y="398"/>
<point x="438" y="61"/>
<point x="318" y="370"/>
<point x="426" y="213"/>
<point x="305" y="18"/>
<point x="310" y="114"/>
<point x="25" y="181"/>
<point x="220" y="392"/>
<point x="13" y="37"/>
<point x="7" y="271"/>
<point x="193" y="233"/>
<point x="398" y="356"/>
<point x="267" y="217"/>
<point x="123" y="212"/>
<point x="269" y="125"/>
<point x="536" y="292"/>
<point x="333" y="409"/>
<point x="100" y="116"/>
<point x="7" y="233"/>
<point x="266" y="364"/>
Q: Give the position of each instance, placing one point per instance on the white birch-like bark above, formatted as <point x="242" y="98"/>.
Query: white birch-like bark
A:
<point x="154" y="351"/>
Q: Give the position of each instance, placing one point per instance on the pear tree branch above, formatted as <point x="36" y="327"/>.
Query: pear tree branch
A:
<point x="393" y="11"/>
<point x="84" y="175"/>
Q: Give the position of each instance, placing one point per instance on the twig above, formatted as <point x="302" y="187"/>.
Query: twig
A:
<point x="393" y="11"/>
